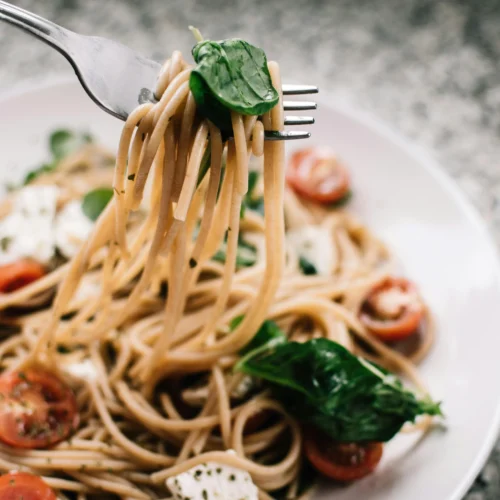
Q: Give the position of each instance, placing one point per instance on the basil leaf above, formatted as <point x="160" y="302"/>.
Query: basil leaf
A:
<point x="231" y="75"/>
<point x="246" y="254"/>
<point x="250" y="200"/>
<point x="342" y="201"/>
<point x="307" y="267"/>
<point x="64" y="142"/>
<point x="268" y="335"/>
<point x="37" y="172"/>
<point x="205" y="164"/>
<point x="322" y="383"/>
<point x="95" y="201"/>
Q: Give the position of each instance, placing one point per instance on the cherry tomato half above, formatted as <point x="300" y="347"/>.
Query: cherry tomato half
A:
<point x="341" y="461"/>
<point x="18" y="274"/>
<point x="316" y="174"/>
<point x="393" y="309"/>
<point x="17" y="485"/>
<point x="37" y="410"/>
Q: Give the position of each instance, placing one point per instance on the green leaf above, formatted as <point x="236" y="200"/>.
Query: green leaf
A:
<point x="231" y="75"/>
<point x="34" y="174"/>
<point x="95" y="201"/>
<point x="61" y="143"/>
<point x="250" y="200"/>
<point x="205" y="164"/>
<point x="307" y="267"/>
<point x="342" y="201"/>
<point x="322" y="383"/>
<point x="246" y="254"/>
<point x="268" y="335"/>
<point x="64" y="142"/>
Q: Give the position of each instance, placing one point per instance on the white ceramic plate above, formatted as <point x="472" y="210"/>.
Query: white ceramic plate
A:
<point x="417" y="210"/>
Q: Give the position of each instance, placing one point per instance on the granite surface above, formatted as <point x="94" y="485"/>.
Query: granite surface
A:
<point x="430" y="68"/>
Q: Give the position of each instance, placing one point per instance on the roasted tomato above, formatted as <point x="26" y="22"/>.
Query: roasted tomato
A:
<point x="317" y="174"/>
<point x="18" y="274"/>
<point x="341" y="461"/>
<point x="20" y="485"/>
<point x="393" y="309"/>
<point x="37" y="410"/>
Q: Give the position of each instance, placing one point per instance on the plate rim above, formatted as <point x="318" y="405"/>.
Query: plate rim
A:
<point x="426" y="160"/>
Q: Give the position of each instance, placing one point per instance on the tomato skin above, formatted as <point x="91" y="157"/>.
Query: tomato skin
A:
<point x="344" y="462"/>
<point x="316" y="174"/>
<point x="19" y="274"/>
<point x="393" y="327"/>
<point x="37" y="410"/>
<point x="16" y="485"/>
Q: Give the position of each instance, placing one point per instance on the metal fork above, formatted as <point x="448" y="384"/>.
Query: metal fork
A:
<point x="117" y="78"/>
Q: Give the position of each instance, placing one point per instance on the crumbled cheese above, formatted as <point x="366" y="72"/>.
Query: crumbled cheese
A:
<point x="27" y="232"/>
<point x="72" y="228"/>
<point x="390" y="302"/>
<point x="213" y="481"/>
<point x="84" y="370"/>
<point x="315" y="244"/>
<point x="34" y="230"/>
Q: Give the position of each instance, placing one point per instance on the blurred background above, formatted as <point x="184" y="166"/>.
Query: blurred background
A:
<point x="429" y="68"/>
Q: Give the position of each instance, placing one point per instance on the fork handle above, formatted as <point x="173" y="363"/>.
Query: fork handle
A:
<point x="50" y="33"/>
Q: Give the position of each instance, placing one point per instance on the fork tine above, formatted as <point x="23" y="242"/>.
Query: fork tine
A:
<point x="272" y="135"/>
<point x="299" y="120"/>
<point x="291" y="89"/>
<point x="299" y="105"/>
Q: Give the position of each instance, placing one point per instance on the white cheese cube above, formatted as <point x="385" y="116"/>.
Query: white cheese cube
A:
<point x="213" y="481"/>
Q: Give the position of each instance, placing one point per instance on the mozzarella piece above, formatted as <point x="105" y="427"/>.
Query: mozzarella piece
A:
<point x="390" y="302"/>
<point x="315" y="244"/>
<point x="27" y="232"/>
<point x="213" y="481"/>
<point x="72" y="228"/>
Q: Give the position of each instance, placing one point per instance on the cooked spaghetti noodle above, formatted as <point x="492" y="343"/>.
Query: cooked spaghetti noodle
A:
<point x="139" y="324"/>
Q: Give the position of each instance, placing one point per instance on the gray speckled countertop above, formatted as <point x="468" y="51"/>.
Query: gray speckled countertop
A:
<point x="430" y="68"/>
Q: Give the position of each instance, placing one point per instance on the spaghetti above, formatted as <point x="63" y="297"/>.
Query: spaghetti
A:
<point x="139" y="325"/>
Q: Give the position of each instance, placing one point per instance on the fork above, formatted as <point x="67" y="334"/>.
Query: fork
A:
<point x="117" y="78"/>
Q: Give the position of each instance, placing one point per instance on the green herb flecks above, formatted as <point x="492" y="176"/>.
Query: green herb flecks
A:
<point x="307" y="267"/>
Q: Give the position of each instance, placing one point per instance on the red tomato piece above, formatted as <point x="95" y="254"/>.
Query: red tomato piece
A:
<point x="393" y="309"/>
<point x="316" y="174"/>
<point x="17" y="485"/>
<point x="343" y="462"/>
<point x="18" y="274"/>
<point x="37" y="409"/>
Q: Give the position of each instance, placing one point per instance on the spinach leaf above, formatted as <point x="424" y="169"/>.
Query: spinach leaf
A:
<point x="250" y="200"/>
<point x="322" y="383"/>
<point x="95" y="201"/>
<point x="62" y="142"/>
<point x="246" y="254"/>
<point x="231" y="75"/>
<point x="307" y="267"/>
